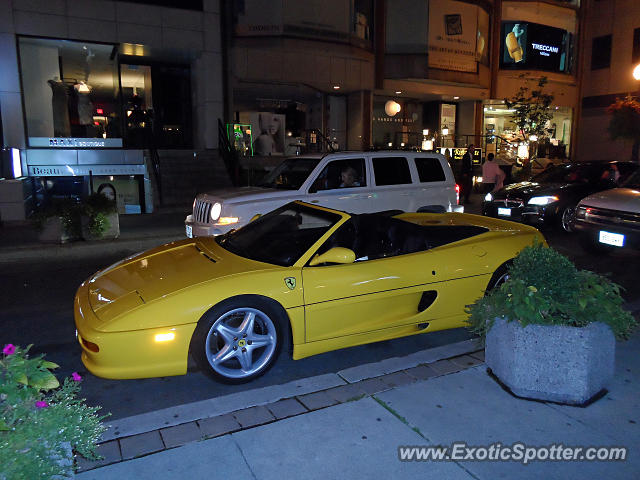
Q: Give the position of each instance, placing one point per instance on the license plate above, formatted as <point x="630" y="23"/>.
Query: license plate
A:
<point x="615" y="239"/>
<point x="189" y="231"/>
<point x="505" y="212"/>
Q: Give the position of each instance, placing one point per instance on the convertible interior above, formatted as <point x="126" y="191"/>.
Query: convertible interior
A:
<point x="378" y="235"/>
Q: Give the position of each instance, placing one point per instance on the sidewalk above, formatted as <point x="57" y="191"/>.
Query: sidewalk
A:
<point x="354" y="431"/>
<point x="137" y="232"/>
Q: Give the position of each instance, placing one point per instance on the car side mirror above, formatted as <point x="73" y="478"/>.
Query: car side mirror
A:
<point x="334" y="255"/>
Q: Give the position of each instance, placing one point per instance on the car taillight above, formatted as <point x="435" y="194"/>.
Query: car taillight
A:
<point x="457" y="194"/>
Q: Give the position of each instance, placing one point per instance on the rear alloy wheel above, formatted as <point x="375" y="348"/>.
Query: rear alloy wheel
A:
<point x="237" y="342"/>
<point x="500" y="276"/>
<point x="566" y="218"/>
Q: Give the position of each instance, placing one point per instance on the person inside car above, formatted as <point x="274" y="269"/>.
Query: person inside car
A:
<point x="348" y="177"/>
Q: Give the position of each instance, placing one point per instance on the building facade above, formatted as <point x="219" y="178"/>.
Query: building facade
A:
<point x="88" y="89"/>
<point x="611" y="51"/>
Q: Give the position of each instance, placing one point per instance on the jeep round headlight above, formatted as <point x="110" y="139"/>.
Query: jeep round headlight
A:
<point x="546" y="200"/>
<point x="215" y="211"/>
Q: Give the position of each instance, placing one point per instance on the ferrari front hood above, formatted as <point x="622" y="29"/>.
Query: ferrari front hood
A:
<point x="161" y="272"/>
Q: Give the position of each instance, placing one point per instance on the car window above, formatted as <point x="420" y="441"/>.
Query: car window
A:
<point x="429" y="170"/>
<point x="348" y="173"/>
<point x="391" y="171"/>
<point x="290" y="174"/>
<point x="280" y="237"/>
<point x="633" y="181"/>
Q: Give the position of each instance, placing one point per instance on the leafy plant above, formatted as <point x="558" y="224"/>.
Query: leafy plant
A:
<point x="97" y="207"/>
<point x="532" y="112"/>
<point x="69" y="212"/>
<point x="625" y="122"/>
<point x="545" y="287"/>
<point x="39" y="418"/>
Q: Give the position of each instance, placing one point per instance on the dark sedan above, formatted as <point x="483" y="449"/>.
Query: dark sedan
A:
<point x="550" y="197"/>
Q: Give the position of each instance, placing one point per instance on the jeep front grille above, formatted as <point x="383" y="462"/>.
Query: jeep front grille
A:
<point x="201" y="211"/>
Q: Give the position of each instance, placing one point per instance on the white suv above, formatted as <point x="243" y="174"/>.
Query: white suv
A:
<point x="611" y="219"/>
<point x="357" y="182"/>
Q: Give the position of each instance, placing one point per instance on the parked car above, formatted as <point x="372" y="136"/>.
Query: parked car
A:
<point x="303" y="277"/>
<point x="610" y="220"/>
<point x="550" y="197"/>
<point x="385" y="180"/>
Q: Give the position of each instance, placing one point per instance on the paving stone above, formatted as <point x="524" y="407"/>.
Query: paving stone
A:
<point x="250" y="417"/>
<point x="372" y="385"/>
<point x="479" y="355"/>
<point x="466" y="361"/>
<point x="286" y="408"/>
<point x="444" y="366"/>
<point x="109" y="450"/>
<point x="181" y="434"/>
<point x="422" y="372"/>
<point x="397" y="379"/>
<point x="314" y="401"/>
<point x="220" y="425"/>
<point x="346" y="393"/>
<point x="142" y="444"/>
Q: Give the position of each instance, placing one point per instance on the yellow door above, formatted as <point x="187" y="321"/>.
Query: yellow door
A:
<point x="366" y="296"/>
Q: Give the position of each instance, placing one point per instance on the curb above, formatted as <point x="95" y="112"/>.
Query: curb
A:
<point x="124" y="448"/>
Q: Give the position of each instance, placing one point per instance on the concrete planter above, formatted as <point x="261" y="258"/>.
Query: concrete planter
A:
<point x="551" y="362"/>
<point x="112" y="231"/>
<point x="53" y="231"/>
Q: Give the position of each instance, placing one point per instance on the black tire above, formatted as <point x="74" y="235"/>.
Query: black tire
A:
<point x="500" y="276"/>
<point x="565" y="218"/>
<point x="229" y="355"/>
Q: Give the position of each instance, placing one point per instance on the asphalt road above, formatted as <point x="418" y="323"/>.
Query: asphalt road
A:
<point x="37" y="296"/>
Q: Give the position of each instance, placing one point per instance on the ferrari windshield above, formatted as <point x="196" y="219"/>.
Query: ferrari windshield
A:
<point x="290" y="174"/>
<point x="280" y="237"/>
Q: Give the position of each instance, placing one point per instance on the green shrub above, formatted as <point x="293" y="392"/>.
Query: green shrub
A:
<point x="39" y="418"/>
<point x="96" y="206"/>
<point x="545" y="287"/>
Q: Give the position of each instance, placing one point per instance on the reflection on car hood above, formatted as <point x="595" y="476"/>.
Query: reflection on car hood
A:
<point x="623" y="199"/>
<point x="239" y="195"/>
<point x="160" y="272"/>
<point x="526" y="190"/>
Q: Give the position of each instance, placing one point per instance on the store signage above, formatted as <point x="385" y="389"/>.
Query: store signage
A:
<point x="453" y="33"/>
<point x="83" y="170"/>
<point x="533" y="46"/>
<point x="58" y="142"/>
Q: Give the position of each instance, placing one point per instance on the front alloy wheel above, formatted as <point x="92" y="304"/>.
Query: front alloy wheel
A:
<point x="566" y="219"/>
<point x="238" y="343"/>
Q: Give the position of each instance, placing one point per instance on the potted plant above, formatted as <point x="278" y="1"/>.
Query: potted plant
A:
<point x="550" y="329"/>
<point x="99" y="218"/>
<point x="59" y="221"/>
<point x="42" y="422"/>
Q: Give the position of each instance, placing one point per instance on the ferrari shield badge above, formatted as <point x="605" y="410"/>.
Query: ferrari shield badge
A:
<point x="290" y="282"/>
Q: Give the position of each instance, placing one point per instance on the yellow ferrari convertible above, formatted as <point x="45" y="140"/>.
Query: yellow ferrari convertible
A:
<point x="301" y="279"/>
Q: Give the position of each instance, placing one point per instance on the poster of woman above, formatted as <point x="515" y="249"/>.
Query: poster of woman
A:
<point x="268" y="133"/>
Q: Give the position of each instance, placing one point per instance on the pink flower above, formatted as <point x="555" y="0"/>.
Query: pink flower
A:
<point x="75" y="376"/>
<point x="41" y="404"/>
<point x="9" y="349"/>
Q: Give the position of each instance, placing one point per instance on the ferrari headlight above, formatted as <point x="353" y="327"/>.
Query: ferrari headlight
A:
<point x="215" y="211"/>
<point x="545" y="200"/>
<point x="488" y="197"/>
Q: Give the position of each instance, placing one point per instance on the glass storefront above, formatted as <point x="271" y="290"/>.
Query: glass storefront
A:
<point x="71" y="93"/>
<point x="502" y="138"/>
<point x="84" y="95"/>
